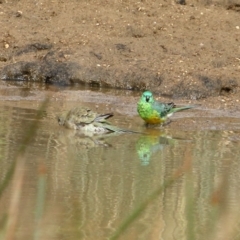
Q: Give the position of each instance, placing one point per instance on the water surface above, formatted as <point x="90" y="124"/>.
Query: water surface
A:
<point x="85" y="187"/>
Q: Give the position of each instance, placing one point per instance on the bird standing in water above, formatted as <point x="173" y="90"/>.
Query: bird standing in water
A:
<point x="154" y="112"/>
<point x="84" y="119"/>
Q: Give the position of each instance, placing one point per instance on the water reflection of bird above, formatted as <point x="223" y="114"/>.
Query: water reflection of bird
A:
<point x="150" y="144"/>
<point x="154" y="112"/>
<point x="87" y="121"/>
<point x="81" y="141"/>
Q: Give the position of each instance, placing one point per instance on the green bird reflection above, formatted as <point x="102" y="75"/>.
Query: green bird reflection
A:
<point x="147" y="145"/>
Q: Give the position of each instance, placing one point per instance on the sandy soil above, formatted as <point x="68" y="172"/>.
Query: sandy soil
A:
<point x="186" y="51"/>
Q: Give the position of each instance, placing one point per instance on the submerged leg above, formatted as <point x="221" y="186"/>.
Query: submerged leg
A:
<point x="167" y="122"/>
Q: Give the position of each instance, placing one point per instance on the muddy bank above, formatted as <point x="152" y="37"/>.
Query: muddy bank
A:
<point x="188" y="50"/>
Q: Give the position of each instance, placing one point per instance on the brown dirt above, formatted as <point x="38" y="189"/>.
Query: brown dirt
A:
<point x="182" y="51"/>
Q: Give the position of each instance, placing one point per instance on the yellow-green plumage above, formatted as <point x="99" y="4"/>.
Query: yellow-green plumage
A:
<point x="148" y="114"/>
<point x="153" y="112"/>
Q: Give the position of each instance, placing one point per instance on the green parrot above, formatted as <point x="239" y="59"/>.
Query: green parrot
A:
<point x="153" y="112"/>
<point x="84" y="119"/>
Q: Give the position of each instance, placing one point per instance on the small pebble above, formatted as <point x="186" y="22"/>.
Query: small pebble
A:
<point x="18" y="13"/>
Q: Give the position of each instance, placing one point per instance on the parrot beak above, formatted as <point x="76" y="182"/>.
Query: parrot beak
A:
<point x="147" y="98"/>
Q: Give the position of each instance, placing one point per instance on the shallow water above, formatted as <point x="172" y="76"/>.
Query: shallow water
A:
<point x="84" y="187"/>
